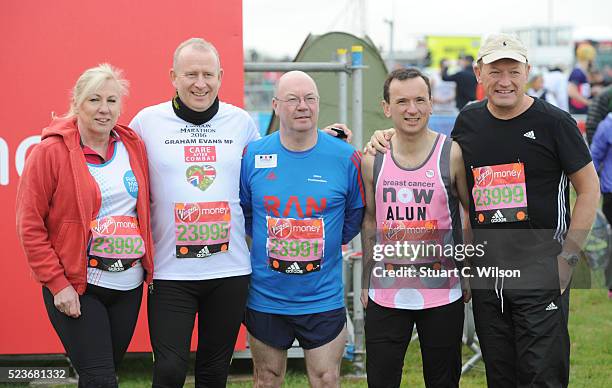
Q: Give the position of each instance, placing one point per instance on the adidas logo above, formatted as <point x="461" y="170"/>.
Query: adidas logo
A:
<point x="294" y="268"/>
<point x="551" y="307"/>
<point x="204" y="252"/>
<point x="271" y="176"/>
<point x="116" y="267"/>
<point x="530" y="135"/>
<point x="498" y="217"/>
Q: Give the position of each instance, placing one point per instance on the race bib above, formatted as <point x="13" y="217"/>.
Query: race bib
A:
<point x="295" y="247"/>
<point x="417" y="256"/>
<point x="116" y="243"/>
<point x="499" y="193"/>
<point x="413" y="241"/>
<point x="201" y="228"/>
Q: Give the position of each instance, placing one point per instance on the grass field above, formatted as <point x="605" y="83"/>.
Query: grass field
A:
<point x="591" y="355"/>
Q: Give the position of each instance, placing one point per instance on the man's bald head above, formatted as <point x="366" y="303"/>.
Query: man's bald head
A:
<point x="290" y="79"/>
<point x="296" y="102"/>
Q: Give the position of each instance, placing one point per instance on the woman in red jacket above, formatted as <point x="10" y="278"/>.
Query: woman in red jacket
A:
<point x="83" y="222"/>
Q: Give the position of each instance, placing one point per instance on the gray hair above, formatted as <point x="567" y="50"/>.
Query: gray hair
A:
<point x="197" y="44"/>
<point x="91" y="80"/>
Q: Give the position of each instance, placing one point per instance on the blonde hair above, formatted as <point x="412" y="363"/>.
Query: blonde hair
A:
<point x="91" y="80"/>
<point x="585" y="52"/>
<point x="197" y="44"/>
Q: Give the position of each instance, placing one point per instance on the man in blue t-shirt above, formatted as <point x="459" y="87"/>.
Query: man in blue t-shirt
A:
<point x="302" y="197"/>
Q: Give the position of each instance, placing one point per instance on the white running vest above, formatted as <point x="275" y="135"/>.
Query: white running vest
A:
<point x="119" y="191"/>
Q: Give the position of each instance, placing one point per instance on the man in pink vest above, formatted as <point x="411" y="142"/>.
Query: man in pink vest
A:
<point x="413" y="216"/>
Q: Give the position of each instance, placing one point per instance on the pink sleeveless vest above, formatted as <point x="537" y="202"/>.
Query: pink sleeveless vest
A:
<point x="417" y="213"/>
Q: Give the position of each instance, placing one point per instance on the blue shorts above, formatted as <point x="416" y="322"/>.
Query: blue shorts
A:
<point x="311" y="330"/>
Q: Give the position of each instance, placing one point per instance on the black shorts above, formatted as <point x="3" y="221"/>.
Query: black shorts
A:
<point x="311" y="330"/>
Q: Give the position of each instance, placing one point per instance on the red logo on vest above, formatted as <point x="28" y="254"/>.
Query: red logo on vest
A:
<point x="198" y="154"/>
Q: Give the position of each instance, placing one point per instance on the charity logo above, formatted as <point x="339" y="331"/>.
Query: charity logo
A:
<point x="201" y="176"/>
<point x="188" y="212"/>
<point x="429" y="173"/>
<point x="130" y="183"/>
<point x="199" y="154"/>
<point x="405" y="195"/>
<point x="483" y="176"/>
<point x="266" y="161"/>
<point x="105" y="225"/>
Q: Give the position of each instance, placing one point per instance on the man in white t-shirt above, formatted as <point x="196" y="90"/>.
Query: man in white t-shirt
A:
<point x="194" y="145"/>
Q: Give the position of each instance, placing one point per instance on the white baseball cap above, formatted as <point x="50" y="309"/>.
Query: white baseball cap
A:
<point x="499" y="46"/>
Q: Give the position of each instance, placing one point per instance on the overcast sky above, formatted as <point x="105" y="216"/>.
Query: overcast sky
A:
<point x="279" y="27"/>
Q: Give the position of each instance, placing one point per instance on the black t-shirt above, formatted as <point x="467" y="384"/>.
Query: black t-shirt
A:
<point x="466" y="86"/>
<point x="546" y="140"/>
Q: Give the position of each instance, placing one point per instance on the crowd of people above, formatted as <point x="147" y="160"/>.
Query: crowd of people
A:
<point x="250" y="230"/>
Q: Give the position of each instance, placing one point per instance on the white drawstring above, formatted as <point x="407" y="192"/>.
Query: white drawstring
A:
<point x="496" y="293"/>
<point x="500" y="293"/>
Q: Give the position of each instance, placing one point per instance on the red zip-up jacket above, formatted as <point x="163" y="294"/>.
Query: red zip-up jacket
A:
<point x="57" y="199"/>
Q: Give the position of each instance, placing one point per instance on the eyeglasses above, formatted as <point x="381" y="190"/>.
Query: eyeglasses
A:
<point x="295" y="101"/>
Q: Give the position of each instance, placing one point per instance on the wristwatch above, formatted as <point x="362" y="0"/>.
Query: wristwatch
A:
<point x="571" y="258"/>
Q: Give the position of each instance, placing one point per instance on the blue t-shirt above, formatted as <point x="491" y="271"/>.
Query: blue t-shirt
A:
<point x="579" y="78"/>
<point x="295" y="205"/>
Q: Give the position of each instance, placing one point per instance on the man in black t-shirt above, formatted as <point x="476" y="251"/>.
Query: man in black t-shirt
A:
<point x="465" y="80"/>
<point x="520" y="156"/>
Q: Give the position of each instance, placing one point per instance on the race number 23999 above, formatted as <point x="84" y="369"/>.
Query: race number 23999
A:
<point x="500" y="193"/>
